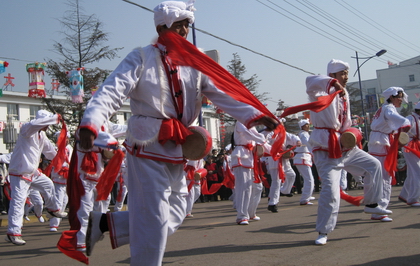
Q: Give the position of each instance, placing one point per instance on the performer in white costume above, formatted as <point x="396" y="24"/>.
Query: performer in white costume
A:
<point x="329" y="158"/>
<point x="386" y="122"/>
<point x="303" y="162"/>
<point x="24" y="172"/>
<point x="157" y="187"/>
<point x="282" y="164"/>
<point x="247" y="192"/>
<point x="195" y="187"/>
<point x="60" y="183"/>
<point x="90" y="179"/>
<point x="410" y="192"/>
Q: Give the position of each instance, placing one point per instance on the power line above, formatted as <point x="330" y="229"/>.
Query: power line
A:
<point x="234" y="44"/>
<point x="380" y="28"/>
<point x="357" y="32"/>
<point x="320" y="31"/>
<point x="15" y="59"/>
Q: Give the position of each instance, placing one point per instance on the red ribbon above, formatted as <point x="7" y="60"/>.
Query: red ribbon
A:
<point x="391" y="158"/>
<point x="108" y="176"/>
<point x="173" y="129"/>
<point x="89" y="163"/>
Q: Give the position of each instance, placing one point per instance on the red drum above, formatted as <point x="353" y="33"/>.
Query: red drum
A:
<point x="198" y="144"/>
<point x="350" y="138"/>
<point x="403" y="139"/>
<point x="200" y="173"/>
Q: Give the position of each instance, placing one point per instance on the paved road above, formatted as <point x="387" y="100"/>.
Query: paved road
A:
<point x="283" y="238"/>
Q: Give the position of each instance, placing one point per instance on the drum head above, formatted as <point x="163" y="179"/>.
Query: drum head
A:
<point x="348" y="140"/>
<point x="198" y="144"/>
<point x="108" y="154"/>
<point x="404" y="138"/>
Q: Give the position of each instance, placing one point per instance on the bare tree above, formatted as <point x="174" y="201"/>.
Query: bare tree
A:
<point x="84" y="44"/>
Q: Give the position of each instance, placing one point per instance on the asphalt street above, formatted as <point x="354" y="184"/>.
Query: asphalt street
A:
<point x="212" y="237"/>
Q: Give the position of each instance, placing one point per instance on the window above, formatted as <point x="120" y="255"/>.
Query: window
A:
<point x="411" y="78"/>
<point x="33" y="110"/>
<point x="127" y="117"/>
<point x="13" y="111"/>
<point x="371" y="91"/>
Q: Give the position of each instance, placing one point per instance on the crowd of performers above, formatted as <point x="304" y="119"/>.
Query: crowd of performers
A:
<point x="165" y="82"/>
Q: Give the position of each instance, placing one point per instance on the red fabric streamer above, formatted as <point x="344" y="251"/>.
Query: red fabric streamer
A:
<point x="75" y="190"/>
<point x="189" y="169"/>
<point x="334" y="147"/>
<point x="89" y="163"/>
<point x="60" y="157"/>
<point x="414" y="147"/>
<point x="229" y="178"/>
<point x="67" y="244"/>
<point x="183" y="53"/>
<point x="391" y="158"/>
<point x="209" y="191"/>
<point x="317" y="106"/>
<point x="351" y="199"/>
<point x="108" y="176"/>
<point x="173" y="129"/>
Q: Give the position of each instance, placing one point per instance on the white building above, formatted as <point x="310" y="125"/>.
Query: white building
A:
<point x="406" y="75"/>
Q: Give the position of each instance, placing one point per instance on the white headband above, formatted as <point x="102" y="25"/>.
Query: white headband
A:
<point x="43" y="114"/>
<point x="168" y="12"/>
<point x="335" y="66"/>
<point x="303" y="122"/>
<point x="393" y="91"/>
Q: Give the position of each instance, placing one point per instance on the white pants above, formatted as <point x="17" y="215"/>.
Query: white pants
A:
<point x="19" y="191"/>
<point x="343" y="180"/>
<point x="246" y="193"/>
<point x="36" y="201"/>
<point x="257" y="189"/>
<point x="411" y="189"/>
<point x="192" y="196"/>
<point x="156" y="194"/>
<point x="386" y="183"/>
<point x="290" y="177"/>
<point x="308" y="182"/>
<point x="274" y="194"/>
<point x="86" y="206"/>
<point x="355" y="161"/>
<point x="119" y="204"/>
<point x="101" y="205"/>
<point x="62" y="199"/>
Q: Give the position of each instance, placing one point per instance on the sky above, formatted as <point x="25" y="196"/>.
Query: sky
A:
<point x="280" y="41"/>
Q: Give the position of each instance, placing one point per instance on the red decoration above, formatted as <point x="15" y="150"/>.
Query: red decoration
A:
<point x="9" y="80"/>
<point x="55" y="84"/>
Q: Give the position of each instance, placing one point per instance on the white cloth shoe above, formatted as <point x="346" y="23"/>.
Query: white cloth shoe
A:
<point x="243" y="222"/>
<point x="58" y="214"/>
<point x="255" y="218"/>
<point x="306" y="203"/>
<point x="53" y="229"/>
<point x="26" y="218"/>
<point x="17" y="240"/>
<point x="93" y="233"/>
<point x="41" y="219"/>
<point x="377" y="210"/>
<point x="382" y="218"/>
<point x="321" y="240"/>
<point x="417" y="204"/>
<point x="311" y="198"/>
